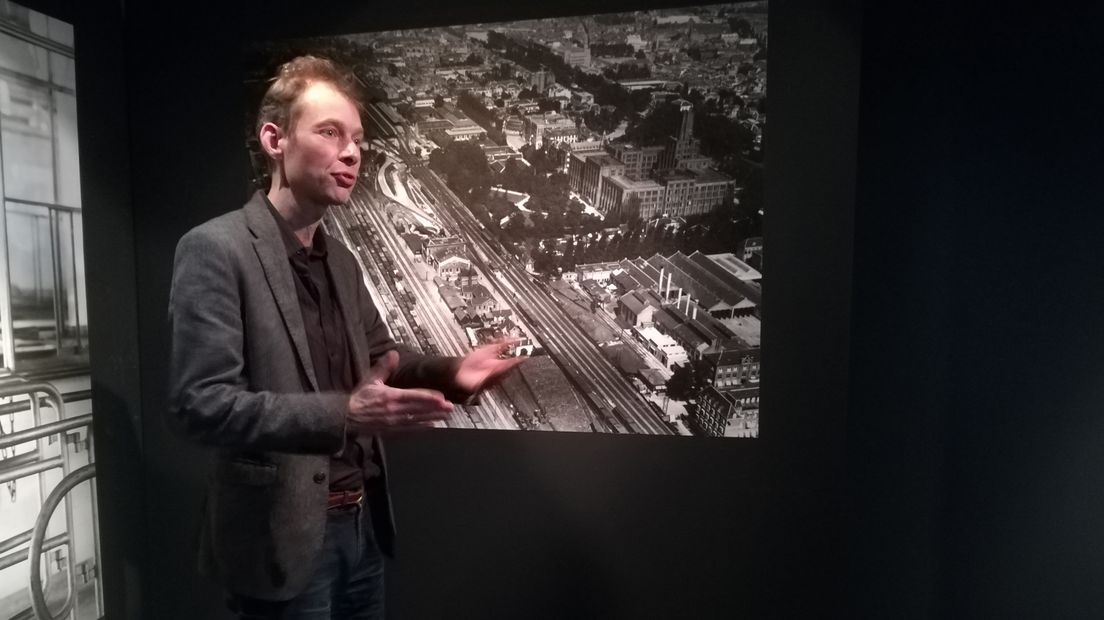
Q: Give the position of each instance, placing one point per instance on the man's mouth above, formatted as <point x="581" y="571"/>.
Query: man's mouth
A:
<point x="345" y="179"/>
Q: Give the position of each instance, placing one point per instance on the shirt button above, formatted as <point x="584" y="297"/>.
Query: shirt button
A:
<point x="320" y="477"/>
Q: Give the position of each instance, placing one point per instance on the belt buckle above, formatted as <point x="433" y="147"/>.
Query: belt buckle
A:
<point x="345" y="497"/>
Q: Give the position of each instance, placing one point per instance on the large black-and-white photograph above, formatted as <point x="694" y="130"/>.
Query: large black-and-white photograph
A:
<point x="590" y="187"/>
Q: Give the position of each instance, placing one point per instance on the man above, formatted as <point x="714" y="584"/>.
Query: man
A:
<point x="281" y="362"/>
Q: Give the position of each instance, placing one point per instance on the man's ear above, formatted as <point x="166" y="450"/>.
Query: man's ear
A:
<point x="271" y="138"/>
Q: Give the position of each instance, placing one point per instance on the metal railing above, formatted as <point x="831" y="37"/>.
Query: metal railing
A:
<point x="56" y="268"/>
<point x="35" y="463"/>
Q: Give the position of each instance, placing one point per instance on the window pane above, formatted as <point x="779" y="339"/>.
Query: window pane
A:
<point x="30" y="259"/>
<point x="23" y="57"/>
<point x="74" y="318"/>
<point x="38" y="23"/>
<point x="60" y="31"/>
<point x="63" y="70"/>
<point x="15" y="15"/>
<point x="68" y="158"/>
<point x="28" y="151"/>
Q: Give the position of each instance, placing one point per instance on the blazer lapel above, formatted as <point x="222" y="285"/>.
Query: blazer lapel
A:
<point x="274" y="261"/>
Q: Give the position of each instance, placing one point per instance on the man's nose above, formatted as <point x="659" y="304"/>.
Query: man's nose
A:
<point x="350" y="155"/>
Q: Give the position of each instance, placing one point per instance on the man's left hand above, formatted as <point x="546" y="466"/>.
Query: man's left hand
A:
<point x="485" y="366"/>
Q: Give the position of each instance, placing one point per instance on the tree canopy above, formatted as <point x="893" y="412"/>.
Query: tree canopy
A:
<point x="464" y="167"/>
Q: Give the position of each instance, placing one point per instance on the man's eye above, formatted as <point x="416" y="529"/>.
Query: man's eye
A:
<point x="329" y="133"/>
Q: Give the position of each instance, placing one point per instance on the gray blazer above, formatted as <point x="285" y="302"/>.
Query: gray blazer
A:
<point x="241" y="380"/>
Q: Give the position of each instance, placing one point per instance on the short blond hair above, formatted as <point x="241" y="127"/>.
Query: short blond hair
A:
<point x="292" y="79"/>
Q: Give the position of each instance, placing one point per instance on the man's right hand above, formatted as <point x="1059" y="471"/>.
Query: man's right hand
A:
<point x="376" y="407"/>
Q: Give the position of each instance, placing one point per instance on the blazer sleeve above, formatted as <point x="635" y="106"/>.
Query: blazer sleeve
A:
<point x="415" y="370"/>
<point x="209" y="395"/>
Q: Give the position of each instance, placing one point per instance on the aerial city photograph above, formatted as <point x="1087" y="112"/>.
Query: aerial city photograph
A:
<point x="590" y="187"/>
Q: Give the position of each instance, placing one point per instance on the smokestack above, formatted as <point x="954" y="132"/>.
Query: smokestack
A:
<point x="667" y="295"/>
<point x="695" y="313"/>
<point x="679" y="302"/>
<point x="661" y="278"/>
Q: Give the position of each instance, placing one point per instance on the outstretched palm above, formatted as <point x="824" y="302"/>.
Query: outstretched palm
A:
<point x="484" y="367"/>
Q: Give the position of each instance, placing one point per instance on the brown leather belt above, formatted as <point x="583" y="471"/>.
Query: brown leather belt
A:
<point x="344" y="499"/>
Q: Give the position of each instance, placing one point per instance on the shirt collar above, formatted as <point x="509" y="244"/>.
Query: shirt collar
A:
<point x="291" y="242"/>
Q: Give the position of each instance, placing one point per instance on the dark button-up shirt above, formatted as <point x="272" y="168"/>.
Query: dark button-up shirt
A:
<point x="329" y="346"/>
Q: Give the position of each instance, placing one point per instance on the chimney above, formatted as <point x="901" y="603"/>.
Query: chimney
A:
<point x="679" y="302"/>
<point x="695" y="317"/>
<point x="661" y="278"/>
<point x="667" y="295"/>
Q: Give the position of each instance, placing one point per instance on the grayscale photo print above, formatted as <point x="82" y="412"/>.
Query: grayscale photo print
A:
<point x="49" y="515"/>
<point x="589" y="187"/>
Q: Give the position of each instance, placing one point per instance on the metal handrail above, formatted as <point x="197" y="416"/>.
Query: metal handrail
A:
<point x="45" y="430"/>
<point x="28" y="389"/>
<point x="29" y="470"/>
<point x="67" y="397"/>
<point x="38" y="543"/>
<point x="21" y="555"/>
<point x="18" y="460"/>
<point x="15" y="541"/>
<point x="60" y="492"/>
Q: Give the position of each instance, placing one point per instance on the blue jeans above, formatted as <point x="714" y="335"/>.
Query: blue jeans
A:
<point x="347" y="585"/>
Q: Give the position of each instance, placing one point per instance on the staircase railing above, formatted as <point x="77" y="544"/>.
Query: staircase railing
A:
<point x="36" y="463"/>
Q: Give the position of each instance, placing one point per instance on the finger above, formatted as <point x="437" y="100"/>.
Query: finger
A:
<point x="501" y="369"/>
<point x="381" y="371"/>
<point x="413" y="401"/>
<point x="504" y="366"/>
<point x="508" y="346"/>
<point x="422" y="418"/>
<point x="416" y="395"/>
<point x="421" y="408"/>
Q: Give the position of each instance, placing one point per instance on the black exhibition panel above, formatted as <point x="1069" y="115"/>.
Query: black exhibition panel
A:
<point x="930" y="438"/>
<point x="524" y="525"/>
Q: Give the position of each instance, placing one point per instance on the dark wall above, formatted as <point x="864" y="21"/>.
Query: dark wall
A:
<point x="974" y="457"/>
<point x="958" y="363"/>
<point x="503" y="525"/>
<point x="1020" y="196"/>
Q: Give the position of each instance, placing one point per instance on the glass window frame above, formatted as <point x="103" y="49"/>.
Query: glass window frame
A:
<point x="56" y="212"/>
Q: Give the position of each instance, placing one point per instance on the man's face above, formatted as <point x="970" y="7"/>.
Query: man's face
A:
<point x="321" y="152"/>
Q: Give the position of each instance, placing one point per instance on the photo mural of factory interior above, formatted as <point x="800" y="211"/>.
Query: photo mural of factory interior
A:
<point x="49" y="550"/>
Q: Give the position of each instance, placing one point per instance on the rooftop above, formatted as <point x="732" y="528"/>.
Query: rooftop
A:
<point x="732" y="356"/>
<point x="709" y="175"/>
<point x="626" y="183"/>
<point x="636" y="301"/>
<point x="730" y="263"/>
<point x="604" y="160"/>
<point x="748" y="289"/>
<point x="665" y="176"/>
<point x="657" y="338"/>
